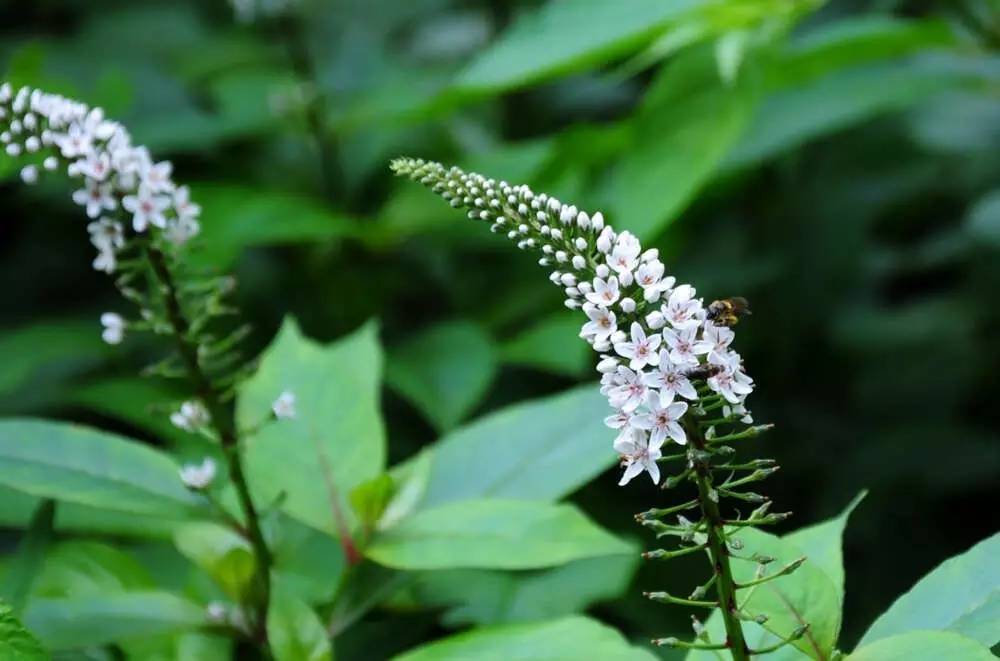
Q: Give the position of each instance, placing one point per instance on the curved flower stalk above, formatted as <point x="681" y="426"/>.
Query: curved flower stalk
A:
<point x="667" y="368"/>
<point x="140" y="223"/>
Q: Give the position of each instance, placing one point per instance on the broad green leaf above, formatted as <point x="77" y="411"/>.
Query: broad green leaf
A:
<point x="492" y="534"/>
<point x="370" y="499"/>
<point x="40" y="356"/>
<point x="477" y="596"/>
<point x="294" y="631"/>
<point x="80" y="568"/>
<point x="81" y="465"/>
<point x="858" y="40"/>
<point x="99" y="619"/>
<point x="550" y="345"/>
<point x="223" y="554"/>
<point x="680" y="136"/>
<point x="568" y="36"/>
<point x="983" y="221"/>
<point x="236" y="217"/>
<point x="948" y="595"/>
<point x="16" y="642"/>
<point x="445" y="371"/>
<point x="812" y="594"/>
<point x="980" y="622"/>
<point x="16" y="508"/>
<point x="336" y="440"/>
<point x="792" y="116"/>
<point x="565" y="639"/>
<point x="179" y="647"/>
<point x="143" y="402"/>
<point x="821" y="543"/>
<point x="542" y="449"/>
<point x="923" y="646"/>
<point x="24" y="566"/>
<point x="308" y="562"/>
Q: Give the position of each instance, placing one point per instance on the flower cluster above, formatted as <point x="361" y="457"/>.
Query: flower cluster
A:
<point x="662" y="352"/>
<point x="122" y="188"/>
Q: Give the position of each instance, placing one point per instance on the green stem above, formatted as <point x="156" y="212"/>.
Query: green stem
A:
<point x="718" y="551"/>
<point x="223" y="423"/>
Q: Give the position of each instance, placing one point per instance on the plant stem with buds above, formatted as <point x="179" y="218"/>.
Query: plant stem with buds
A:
<point x="718" y="550"/>
<point x="223" y="424"/>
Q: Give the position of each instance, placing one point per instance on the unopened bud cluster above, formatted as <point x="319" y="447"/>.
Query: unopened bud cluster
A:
<point x="658" y="344"/>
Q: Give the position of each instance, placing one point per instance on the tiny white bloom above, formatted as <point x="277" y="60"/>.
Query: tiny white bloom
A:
<point x="681" y="343"/>
<point x="147" y="208"/>
<point x="284" y="406"/>
<point x="198" y="476"/>
<point x="628" y="391"/>
<point x="601" y="325"/>
<point x="96" y="197"/>
<point x="605" y="291"/>
<point x="638" y="454"/>
<point x="670" y="380"/>
<point x="662" y="421"/>
<point x="641" y="350"/>
<point x="731" y="383"/>
<point x="114" y="328"/>
<point x="192" y="416"/>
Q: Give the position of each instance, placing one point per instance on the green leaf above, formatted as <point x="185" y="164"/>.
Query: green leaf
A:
<point x="142" y="402"/>
<point x="238" y="217"/>
<point x="81" y="568"/>
<point x="947" y="597"/>
<point x="24" y="566"/>
<point x="48" y="353"/>
<point x="445" y="371"/>
<point x="566" y="36"/>
<point x="294" y="631"/>
<point x="550" y="446"/>
<point x="821" y="543"/>
<point x="16" y="642"/>
<point x="792" y="116"/>
<point x="76" y="464"/>
<point x="99" y="619"/>
<point x="681" y="135"/>
<point x="565" y="639"/>
<point x="983" y="221"/>
<point x="812" y="594"/>
<point x="335" y="442"/>
<point x="923" y="646"/>
<point x="222" y="553"/>
<point x="478" y="596"/>
<point x="370" y="499"/>
<point x="492" y="534"/>
<point x="549" y="345"/>
<point x="308" y="562"/>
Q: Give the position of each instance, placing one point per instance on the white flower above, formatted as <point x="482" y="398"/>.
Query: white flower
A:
<point x="106" y="234"/>
<point x="216" y="612"/>
<point x="662" y="421"/>
<point x="625" y="255"/>
<point x="641" y="350"/>
<point x="198" y="476"/>
<point x="681" y="310"/>
<point x="731" y="383"/>
<point x="156" y="177"/>
<point x="681" y="343"/>
<point x="638" y="454"/>
<point x="628" y="391"/>
<point x="147" y="208"/>
<point x="97" y="197"/>
<point x="669" y="380"/>
<point x="114" y="328"/>
<point x="185" y="209"/>
<point x="605" y="292"/>
<point x="96" y="165"/>
<point x="191" y="417"/>
<point x="601" y="325"/>
<point x="106" y="261"/>
<point x="619" y="420"/>
<point x="284" y="406"/>
<point x="29" y="174"/>
<point x="715" y="341"/>
<point x="75" y="142"/>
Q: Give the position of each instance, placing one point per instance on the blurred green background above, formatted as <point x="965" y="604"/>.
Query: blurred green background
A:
<point x="838" y="164"/>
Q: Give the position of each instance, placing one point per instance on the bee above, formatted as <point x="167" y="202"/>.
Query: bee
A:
<point x="728" y="311"/>
<point x="703" y="372"/>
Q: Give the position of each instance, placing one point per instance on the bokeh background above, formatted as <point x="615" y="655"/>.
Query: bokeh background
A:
<point x="838" y="164"/>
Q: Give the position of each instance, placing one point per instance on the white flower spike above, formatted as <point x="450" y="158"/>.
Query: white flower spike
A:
<point x="672" y="347"/>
